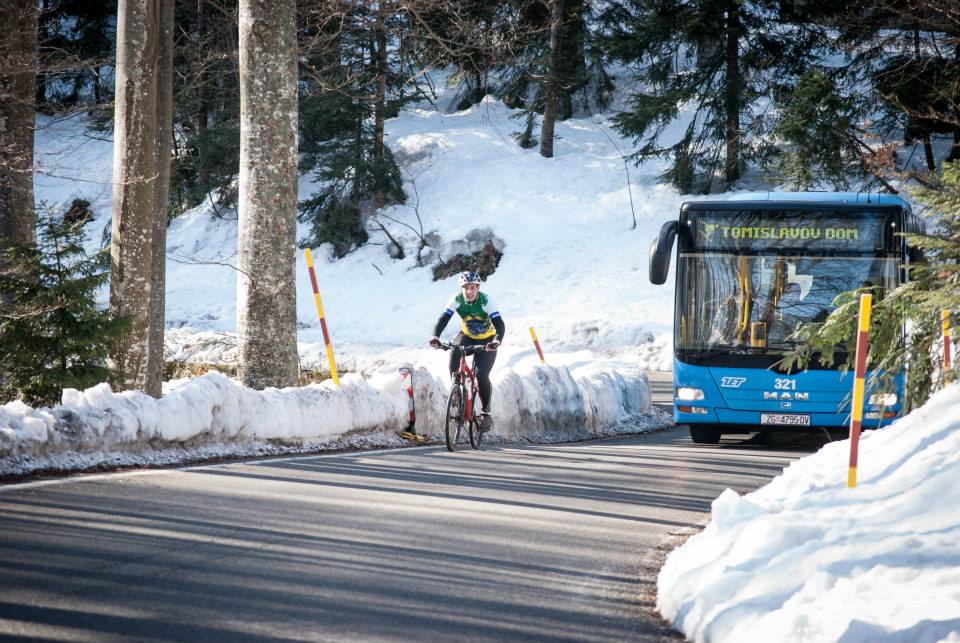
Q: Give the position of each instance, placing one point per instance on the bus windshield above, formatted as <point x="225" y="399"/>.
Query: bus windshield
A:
<point x="750" y="304"/>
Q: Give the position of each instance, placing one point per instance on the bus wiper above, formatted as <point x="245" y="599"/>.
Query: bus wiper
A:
<point x="721" y="351"/>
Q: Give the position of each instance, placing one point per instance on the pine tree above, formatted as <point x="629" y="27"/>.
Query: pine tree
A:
<point x="206" y="107"/>
<point x="356" y="82"/>
<point x="934" y="286"/>
<point x="713" y="63"/>
<point x="52" y="333"/>
<point x="76" y="47"/>
<point x="818" y="125"/>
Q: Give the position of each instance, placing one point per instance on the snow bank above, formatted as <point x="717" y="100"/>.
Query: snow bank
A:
<point x="213" y="416"/>
<point x="807" y="559"/>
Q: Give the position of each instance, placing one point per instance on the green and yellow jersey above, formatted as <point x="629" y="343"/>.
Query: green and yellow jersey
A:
<point x="476" y="317"/>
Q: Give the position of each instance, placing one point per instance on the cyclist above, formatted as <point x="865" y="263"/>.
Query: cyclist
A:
<point x="480" y="324"/>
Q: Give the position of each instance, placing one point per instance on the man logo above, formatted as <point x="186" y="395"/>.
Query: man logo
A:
<point x="732" y="382"/>
<point x="786" y="395"/>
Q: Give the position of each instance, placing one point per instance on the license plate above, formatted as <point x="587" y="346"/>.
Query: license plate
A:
<point x="785" y="419"/>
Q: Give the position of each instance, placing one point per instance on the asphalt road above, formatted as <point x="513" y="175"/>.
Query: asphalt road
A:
<point x="518" y="543"/>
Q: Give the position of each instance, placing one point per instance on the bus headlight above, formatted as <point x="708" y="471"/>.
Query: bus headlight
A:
<point x="883" y="399"/>
<point x="688" y="393"/>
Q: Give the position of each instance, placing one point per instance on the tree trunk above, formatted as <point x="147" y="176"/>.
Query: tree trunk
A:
<point x="203" y="104"/>
<point x="158" y="271"/>
<point x="732" y="93"/>
<point x="572" y="75"/>
<point x="266" y="236"/>
<point x="954" y="154"/>
<point x="43" y="31"/>
<point x="134" y="182"/>
<point x="550" y="82"/>
<point x="925" y="137"/>
<point x="379" y="106"/>
<point x="18" y="60"/>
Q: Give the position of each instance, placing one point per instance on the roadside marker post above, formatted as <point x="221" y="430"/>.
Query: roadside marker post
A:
<point x="406" y="373"/>
<point x="323" y="320"/>
<point x="945" y="317"/>
<point x="860" y="370"/>
<point x="536" y="343"/>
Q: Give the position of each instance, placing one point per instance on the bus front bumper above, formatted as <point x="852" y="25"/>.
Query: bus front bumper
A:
<point x="709" y="415"/>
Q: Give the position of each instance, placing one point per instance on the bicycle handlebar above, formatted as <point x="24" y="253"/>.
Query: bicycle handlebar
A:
<point x="467" y="350"/>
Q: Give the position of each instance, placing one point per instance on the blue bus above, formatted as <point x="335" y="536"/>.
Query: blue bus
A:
<point x="749" y="270"/>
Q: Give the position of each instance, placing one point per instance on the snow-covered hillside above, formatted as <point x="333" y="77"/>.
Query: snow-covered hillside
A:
<point x="573" y="267"/>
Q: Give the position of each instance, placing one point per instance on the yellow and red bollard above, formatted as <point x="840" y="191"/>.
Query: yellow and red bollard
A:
<point x="945" y="317"/>
<point x="406" y="373"/>
<point x="323" y="320"/>
<point x="860" y="371"/>
<point x="536" y="344"/>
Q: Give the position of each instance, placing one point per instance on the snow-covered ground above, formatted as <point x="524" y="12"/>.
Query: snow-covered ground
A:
<point x="573" y="267"/>
<point x="806" y="558"/>
<point x="802" y="559"/>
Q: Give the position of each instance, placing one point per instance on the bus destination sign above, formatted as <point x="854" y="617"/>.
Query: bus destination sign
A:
<point x="819" y="230"/>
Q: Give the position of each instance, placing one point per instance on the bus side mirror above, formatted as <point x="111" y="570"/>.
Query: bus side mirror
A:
<point x="660" y="252"/>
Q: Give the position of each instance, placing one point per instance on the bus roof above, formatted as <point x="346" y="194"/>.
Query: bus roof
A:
<point x="819" y="198"/>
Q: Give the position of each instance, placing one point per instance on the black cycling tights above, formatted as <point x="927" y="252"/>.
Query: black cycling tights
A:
<point x="484" y="364"/>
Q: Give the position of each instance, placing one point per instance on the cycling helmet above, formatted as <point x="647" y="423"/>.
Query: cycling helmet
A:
<point x="468" y="277"/>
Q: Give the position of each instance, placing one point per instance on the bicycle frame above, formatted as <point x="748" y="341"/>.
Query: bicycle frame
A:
<point x="463" y="392"/>
<point x="462" y="372"/>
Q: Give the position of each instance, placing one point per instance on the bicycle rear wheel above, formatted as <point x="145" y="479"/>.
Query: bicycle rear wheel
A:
<point x="454" y="416"/>
<point x="476" y="435"/>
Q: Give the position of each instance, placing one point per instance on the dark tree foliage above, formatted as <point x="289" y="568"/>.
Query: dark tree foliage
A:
<point x="816" y="125"/>
<point x="355" y="172"/>
<point x="76" y="49"/>
<point x="934" y="286"/>
<point x="580" y="82"/>
<point x="712" y="65"/>
<point x="53" y="335"/>
<point x="467" y="36"/>
<point x="206" y="106"/>
<point x="904" y="60"/>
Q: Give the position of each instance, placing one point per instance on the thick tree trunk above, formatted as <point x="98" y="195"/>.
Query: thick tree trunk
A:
<point x="18" y="60"/>
<point x="550" y="84"/>
<point x="266" y="238"/>
<point x="732" y="93"/>
<point x="134" y="182"/>
<point x="158" y="270"/>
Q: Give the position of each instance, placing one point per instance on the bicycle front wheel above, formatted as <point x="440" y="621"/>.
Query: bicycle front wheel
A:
<point x="476" y="435"/>
<point x="454" y="416"/>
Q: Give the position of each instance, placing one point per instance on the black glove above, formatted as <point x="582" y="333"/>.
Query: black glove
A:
<point x="493" y="345"/>
<point x="435" y="342"/>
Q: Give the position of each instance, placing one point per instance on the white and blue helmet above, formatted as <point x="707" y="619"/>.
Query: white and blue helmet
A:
<point x="468" y="277"/>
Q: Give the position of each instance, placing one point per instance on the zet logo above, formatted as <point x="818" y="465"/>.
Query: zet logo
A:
<point x="709" y="229"/>
<point x="732" y="382"/>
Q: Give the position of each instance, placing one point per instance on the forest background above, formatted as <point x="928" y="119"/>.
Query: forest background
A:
<point x="230" y="102"/>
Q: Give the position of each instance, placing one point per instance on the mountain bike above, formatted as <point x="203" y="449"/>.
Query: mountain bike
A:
<point x="462" y="407"/>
